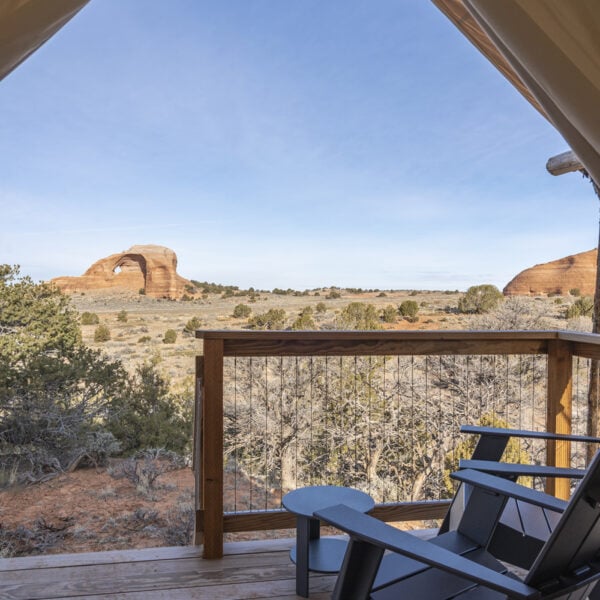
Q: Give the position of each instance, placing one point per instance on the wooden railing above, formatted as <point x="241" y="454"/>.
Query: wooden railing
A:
<point x="211" y="520"/>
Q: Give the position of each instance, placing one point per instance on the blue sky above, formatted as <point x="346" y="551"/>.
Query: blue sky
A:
<point x="281" y="144"/>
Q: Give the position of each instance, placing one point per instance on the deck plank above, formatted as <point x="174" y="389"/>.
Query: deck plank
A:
<point x="320" y="588"/>
<point x="249" y="570"/>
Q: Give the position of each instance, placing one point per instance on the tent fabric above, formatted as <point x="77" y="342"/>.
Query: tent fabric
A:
<point x="456" y="11"/>
<point x="553" y="48"/>
<point x="26" y="24"/>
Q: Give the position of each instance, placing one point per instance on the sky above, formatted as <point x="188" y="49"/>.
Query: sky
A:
<point x="281" y="144"/>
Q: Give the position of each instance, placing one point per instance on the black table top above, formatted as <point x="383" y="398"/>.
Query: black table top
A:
<point x="305" y="501"/>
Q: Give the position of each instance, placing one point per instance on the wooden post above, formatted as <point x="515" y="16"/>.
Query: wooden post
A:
<point x="559" y="410"/>
<point x="197" y="454"/>
<point x="211" y="470"/>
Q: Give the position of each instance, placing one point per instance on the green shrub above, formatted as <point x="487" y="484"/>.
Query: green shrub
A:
<point x="102" y="333"/>
<point x="191" y="326"/>
<point x="333" y="295"/>
<point x="89" y="318"/>
<point x="142" y="291"/>
<point x="170" y="336"/>
<point x="480" y="299"/>
<point x="558" y="300"/>
<point x="272" y="319"/>
<point x="582" y="307"/>
<point x="144" y="339"/>
<point x="381" y="295"/>
<point x="514" y="453"/>
<point x="122" y="316"/>
<point x="242" y="311"/>
<point x="321" y="307"/>
<point x="358" y="315"/>
<point x="389" y="314"/>
<point x="575" y="292"/>
<point x="305" y="320"/>
<point x="147" y="415"/>
<point x="409" y="308"/>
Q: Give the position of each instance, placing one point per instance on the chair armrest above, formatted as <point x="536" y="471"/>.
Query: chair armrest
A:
<point x="522" y="433"/>
<point x="507" y="488"/>
<point x="500" y="468"/>
<point x="376" y="533"/>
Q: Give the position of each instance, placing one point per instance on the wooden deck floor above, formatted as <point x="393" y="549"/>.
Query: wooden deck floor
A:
<point x="248" y="570"/>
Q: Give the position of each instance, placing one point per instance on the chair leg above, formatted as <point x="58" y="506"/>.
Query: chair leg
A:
<point x="358" y="572"/>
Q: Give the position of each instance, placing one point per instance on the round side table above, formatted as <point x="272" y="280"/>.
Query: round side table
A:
<point x="311" y="552"/>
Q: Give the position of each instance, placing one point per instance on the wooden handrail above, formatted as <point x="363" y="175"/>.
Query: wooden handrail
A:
<point x="211" y="522"/>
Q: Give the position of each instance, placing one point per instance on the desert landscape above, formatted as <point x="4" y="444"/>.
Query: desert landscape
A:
<point x="116" y="509"/>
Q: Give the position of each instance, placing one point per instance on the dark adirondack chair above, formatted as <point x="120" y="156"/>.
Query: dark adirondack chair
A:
<point x="523" y="528"/>
<point x="456" y="564"/>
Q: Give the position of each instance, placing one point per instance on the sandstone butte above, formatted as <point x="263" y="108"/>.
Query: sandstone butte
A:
<point x="557" y="277"/>
<point x="148" y="267"/>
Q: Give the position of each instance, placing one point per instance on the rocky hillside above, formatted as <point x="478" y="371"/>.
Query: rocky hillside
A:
<point x="557" y="277"/>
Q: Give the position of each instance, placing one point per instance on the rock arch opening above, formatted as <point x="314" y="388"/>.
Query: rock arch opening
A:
<point x="131" y="270"/>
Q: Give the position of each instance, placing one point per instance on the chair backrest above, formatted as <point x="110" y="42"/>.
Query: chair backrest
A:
<point x="568" y="554"/>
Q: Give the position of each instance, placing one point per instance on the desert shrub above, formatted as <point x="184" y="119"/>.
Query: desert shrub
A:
<point x="321" y="307"/>
<point x="144" y="339"/>
<point x="358" y="315"/>
<point x="517" y="313"/>
<point x="144" y="469"/>
<point x="89" y="318"/>
<point x="180" y="522"/>
<point x="558" y="300"/>
<point x="272" y="319"/>
<point x="148" y="415"/>
<point x="480" y="299"/>
<point x="170" y="336"/>
<point x="575" y="292"/>
<point x="54" y="391"/>
<point x="142" y="292"/>
<point x="389" y="314"/>
<point x="139" y="519"/>
<point x="37" y="539"/>
<point x="333" y="295"/>
<point x="191" y="326"/>
<point x="102" y="333"/>
<point x="304" y="320"/>
<point x="122" y="316"/>
<point x="582" y="307"/>
<point x="409" y="308"/>
<point x="513" y="453"/>
<point x="227" y="294"/>
<point x="414" y="293"/>
<point x="215" y="288"/>
<point x="382" y="295"/>
<point x="242" y="311"/>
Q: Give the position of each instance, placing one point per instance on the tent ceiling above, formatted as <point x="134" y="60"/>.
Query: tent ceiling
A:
<point x="550" y="51"/>
<point x="26" y="24"/>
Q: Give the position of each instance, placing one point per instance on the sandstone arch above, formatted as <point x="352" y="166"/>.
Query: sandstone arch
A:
<point x="145" y="267"/>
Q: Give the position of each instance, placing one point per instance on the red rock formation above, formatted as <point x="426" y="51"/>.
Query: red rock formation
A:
<point x="148" y="267"/>
<point x="557" y="277"/>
